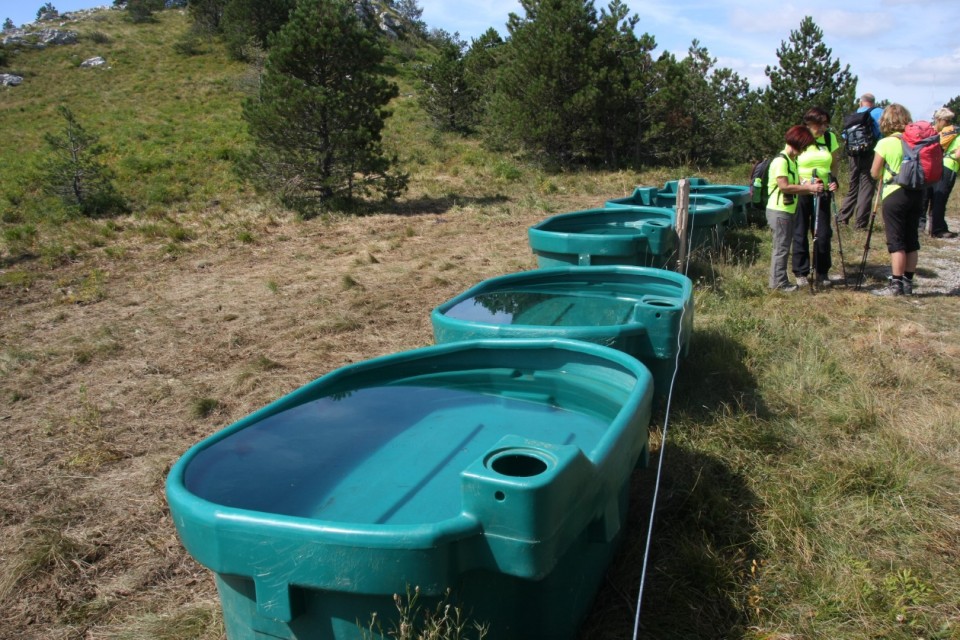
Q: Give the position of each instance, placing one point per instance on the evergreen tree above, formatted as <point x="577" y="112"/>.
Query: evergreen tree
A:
<point x="249" y="23"/>
<point x="318" y="118"/>
<point x="623" y="73"/>
<point x="807" y="76"/>
<point x="207" y="15"/>
<point x="480" y="64"/>
<point x="8" y="25"/>
<point x="75" y="171"/>
<point x="139" y="11"/>
<point x="954" y="105"/>
<point x="412" y="16"/>
<point x="545" y="96"/>
<point x="444" y="92"/>
<point x="47" y="12"/>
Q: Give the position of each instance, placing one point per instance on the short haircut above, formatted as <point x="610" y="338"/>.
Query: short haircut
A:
<point x="816" y="115"/>
<point x="799" y="137"/>
<point x="895" y="119"/>
<point x="943" y="114"/>
<point x="868" y="97"/>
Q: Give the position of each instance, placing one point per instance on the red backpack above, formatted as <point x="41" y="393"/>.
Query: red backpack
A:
<point x="922" y="163"/>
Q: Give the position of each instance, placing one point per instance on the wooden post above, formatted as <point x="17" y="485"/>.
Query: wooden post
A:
<point x="683" y="215"/>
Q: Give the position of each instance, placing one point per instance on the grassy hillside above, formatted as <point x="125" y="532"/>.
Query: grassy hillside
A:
<point x="811" y="466"/>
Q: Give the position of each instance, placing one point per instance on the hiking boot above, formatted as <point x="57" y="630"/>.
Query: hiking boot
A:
<point x="802" y="281"/>
<point x="907" y="287"/>
<point x="823" y="280"/>
<point x="787" y="288"/>
<point x="944" y="234"/>
<point x="894" y="288"/>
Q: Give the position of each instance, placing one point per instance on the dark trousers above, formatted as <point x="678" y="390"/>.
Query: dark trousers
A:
<point x="805" y="229"/>
<point x="860" y="192"/>
<point x="938" y="201"/>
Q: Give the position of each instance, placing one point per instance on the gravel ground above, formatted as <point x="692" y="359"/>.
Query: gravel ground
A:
<point x="938" y="268"/>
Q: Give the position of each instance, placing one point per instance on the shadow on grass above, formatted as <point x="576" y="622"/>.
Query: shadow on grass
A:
<point x="741" y="246"/>
<point x="697" y="581"/>
<point x="699" y="557"/>
<point x="435" y="206"/>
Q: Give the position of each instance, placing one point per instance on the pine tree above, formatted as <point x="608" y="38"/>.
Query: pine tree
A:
<point x="8" y="25"/>
<point x="623" y="74"/>
<point x="480" y="65"/>
<point x="47" y="12"/>
<point x="318" y="118"/>
<point x="75" y="171"/>
<point x="249" y="23"/>
<point x="807" y="76"/>
<point x="207" y="15"/>
<point x="545" y="96"/>
<point x="954" y="105"/>
<point x="444" y="92"/>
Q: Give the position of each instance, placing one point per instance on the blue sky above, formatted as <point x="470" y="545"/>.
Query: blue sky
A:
<point x="906" y="51"/>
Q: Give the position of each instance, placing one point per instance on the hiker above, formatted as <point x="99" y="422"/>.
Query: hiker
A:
<point x="813" y="212"/>
<point x="901" y="207"/>
<point x="782" y="203"/>
<point x="940" y="192"/>
<point x="861" y="187"/>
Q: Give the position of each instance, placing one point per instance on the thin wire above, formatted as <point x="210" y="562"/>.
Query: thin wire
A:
<point x="663" y="447"/>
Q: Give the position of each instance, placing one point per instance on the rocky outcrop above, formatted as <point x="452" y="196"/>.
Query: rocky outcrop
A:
<point x="93" y="62"/>
<point x="39" y="39"/>
<point x="9" y="80"/>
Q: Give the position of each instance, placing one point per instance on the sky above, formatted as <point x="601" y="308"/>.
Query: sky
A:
<point x="905" y="51"/>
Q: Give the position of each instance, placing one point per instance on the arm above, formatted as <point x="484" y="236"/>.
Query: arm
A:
<point x="834" y="185"/>
<point x="876" y="169"/>
<point x="786" y="187"/>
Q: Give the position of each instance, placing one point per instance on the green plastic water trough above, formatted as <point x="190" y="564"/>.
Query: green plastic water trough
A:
<point x="640" y="236"/>
<point x="498" y="469"/>
<point x="707" y="219"/>
<point x="740" y="195"/>
<point x="642" y="311"/>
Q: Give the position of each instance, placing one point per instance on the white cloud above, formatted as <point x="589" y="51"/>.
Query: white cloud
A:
<point x="854" y="24"/>
<point x="937" y="71"/>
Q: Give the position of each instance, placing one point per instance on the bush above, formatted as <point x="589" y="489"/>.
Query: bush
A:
<point x="76" y="173"/>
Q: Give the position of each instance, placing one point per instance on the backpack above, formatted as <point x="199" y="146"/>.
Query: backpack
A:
<point x="947" y="135"/>
<point x="922" y="163"/>
<point x="859" y="133"/>
<point x="760" y="182"/>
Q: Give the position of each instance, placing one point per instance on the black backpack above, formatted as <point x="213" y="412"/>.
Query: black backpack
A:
<point x="859" y="133"/>
<point x="760" y="182"/>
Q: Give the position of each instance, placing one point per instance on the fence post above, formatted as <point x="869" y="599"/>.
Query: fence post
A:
<point x="683" y="215"/>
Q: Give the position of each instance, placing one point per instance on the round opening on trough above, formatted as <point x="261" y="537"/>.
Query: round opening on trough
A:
<point x="500" y="496"/>
<point x="517" y="464"/>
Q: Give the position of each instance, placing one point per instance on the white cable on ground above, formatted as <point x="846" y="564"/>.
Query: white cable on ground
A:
<point x="663" y="447"/>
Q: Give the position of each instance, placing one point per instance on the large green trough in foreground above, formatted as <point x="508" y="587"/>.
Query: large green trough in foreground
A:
<point x="496" y="468"/>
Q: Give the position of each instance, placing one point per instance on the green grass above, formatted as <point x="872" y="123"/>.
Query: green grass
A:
<point x="170" y="122"/>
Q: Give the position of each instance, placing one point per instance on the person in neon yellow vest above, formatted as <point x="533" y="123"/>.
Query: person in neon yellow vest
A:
<point x="785" y="186"/>
<point x="818" y="158"/>
<point x="943" y="122"/>
<point x="901" y="207"/>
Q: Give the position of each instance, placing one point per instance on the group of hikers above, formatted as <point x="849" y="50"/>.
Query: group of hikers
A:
<point x="889" y="160"/>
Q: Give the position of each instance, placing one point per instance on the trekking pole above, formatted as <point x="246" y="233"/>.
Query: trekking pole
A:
<point x="836" y="222"/>
<point x="866" y="245"/>
<point x="813" y="245"/>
